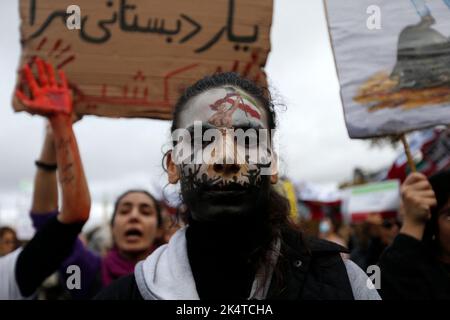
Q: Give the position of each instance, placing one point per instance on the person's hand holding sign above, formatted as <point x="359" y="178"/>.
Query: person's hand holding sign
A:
<point x="52" y="98"/>
<point x="417" y="200"/>
<point x="49" y="96"/>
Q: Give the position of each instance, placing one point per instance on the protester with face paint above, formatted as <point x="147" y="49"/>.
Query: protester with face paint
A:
<point x="23" y="270"/>
<point x="417" y="264"/>
<point x="239" y="242"/>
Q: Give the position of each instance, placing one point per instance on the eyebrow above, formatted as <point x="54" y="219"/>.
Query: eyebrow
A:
<point x="130" y="204"/>
<point x="125" y="204"/>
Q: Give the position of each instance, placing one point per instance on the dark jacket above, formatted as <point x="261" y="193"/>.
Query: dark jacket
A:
<point x="312" y="269"/>
<point x="410" y="271"/>
<point x="365" y="257"/>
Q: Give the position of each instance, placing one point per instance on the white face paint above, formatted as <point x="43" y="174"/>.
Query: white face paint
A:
<point x="227" y="111"/>
<point x="228" y="186"/>
<point x="225" y="107"/>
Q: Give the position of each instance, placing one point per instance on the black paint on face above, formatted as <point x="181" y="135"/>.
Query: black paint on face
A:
<point x="224" y="192"/>
<point x="215" y="199"/>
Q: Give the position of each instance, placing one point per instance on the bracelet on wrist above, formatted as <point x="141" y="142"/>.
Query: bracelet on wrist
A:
<point x="46" y="166"/>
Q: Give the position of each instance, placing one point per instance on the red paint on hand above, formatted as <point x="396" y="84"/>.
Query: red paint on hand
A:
<point x="48" y="97"/>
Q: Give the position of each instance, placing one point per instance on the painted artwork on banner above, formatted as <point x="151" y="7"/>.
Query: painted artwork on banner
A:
<point x="133" y="58"/>
<point x="393" y="63"/>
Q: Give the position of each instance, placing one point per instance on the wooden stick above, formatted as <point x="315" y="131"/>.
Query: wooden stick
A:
<point x="411" y="163"/>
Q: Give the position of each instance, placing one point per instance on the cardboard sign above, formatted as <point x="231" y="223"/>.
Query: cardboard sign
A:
<point x="393" y="63"/>
<point x="134" y="58"/>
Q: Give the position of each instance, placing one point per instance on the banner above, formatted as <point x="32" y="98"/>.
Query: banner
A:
<point x="380" y="197"/>
<point x="134" y="58"/>
<point x="393" y="63"/>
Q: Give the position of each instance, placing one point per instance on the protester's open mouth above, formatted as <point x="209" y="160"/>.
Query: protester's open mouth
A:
<point x="133" y="234"/>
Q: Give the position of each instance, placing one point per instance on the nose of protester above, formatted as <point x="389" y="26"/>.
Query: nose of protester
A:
<point x="226" y="169"/>
<point x="128" y="215"/>
<point x="134" y="216"/>
<point x="226" y="162"/>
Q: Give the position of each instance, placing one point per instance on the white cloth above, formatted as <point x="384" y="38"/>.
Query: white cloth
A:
<point x="362" y="287"/>
<point x="9" y="290"/>
<point x="166" y="274"/>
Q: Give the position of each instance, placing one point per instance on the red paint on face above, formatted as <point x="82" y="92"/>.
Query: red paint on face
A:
<point x="225" y="113"/>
